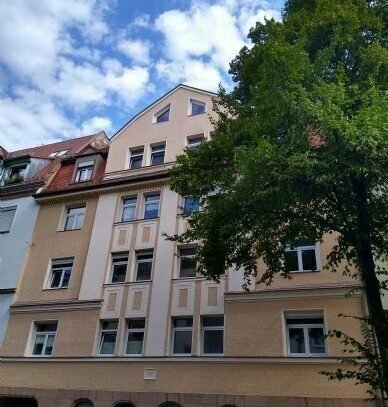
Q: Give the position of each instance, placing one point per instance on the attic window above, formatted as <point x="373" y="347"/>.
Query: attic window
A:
<point x="163" y="115"/>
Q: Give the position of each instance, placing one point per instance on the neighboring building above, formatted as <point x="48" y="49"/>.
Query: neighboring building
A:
<point x="110" y="313"/>
<point x="22" y="173"/>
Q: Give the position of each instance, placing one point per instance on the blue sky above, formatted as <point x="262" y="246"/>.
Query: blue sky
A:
<point x="70" y="68"/>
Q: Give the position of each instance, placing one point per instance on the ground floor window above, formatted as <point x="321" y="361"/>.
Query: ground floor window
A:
<point x="18" y="402"/>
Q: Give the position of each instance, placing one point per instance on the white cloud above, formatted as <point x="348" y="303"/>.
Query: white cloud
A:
<point x="96" y="124"/>
<point x="137" y="50"/>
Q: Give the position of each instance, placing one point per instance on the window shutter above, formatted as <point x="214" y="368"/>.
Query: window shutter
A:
<point x="6" y="218"/>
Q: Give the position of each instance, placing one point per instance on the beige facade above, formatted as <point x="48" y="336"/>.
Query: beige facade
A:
<point x="127" y="282"/>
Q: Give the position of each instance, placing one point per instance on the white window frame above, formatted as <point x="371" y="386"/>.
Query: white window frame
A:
<point x="150" y="202"/>
<point x="212" y="328"/>
<point x="180" y="248"/>
<point x="84" y="171"/>
<point x="76" y="216"/>
<point x="130" y="205"/>
<point x="9" y="209"/>
<point x="102" y="332"/>
<point x="198" y="102"/>
<point x="305" y="328"/>
<point x="195" y="136"/>
<point x="34" y="335"/>
<point x="137" y="262"/>
<point x="128" y="330"/>
<point x="159" y="147"/>
<point x="63" y="269"/>
<point x="181" y="329"/>
<point x="118" y="255"/>
<point x="160" y="112"/>
<point x="136" y="155"/>
<point x="298" y="250"/>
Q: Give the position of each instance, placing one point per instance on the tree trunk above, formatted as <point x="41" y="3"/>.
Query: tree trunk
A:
<point x="371" y="283"/>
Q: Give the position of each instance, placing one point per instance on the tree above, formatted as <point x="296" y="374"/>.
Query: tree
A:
<point x="300" y="148"/>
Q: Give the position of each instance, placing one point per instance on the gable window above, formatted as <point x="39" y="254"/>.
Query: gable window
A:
<point x="157" y="154"/>
<point x="144" y="264"/>
<point x="197" y="107"/>
<point x="136" y="160"/>
<point x="163" y="115"/>
<point x="108" y="337"/>
<point x="301" y="257"/>
<point x="305" y="335"/>
<point x="43" y="338"/>
<point x="119" y="267"/>
<point x="128" y="209"/>
<point x="213" y="335"/>
<point x="7" y="215"/>
<point x="187" y="263"/>
<point x="74" y="218"/>
<point x="61" y="272"/>
<point x="84" y="171"/>
<point x="182" y="336"/>
<point x="195" y="141"/>
<point x="151" y="206"/>
<point x="135" y="337"/>
<point x="190" y="204"/>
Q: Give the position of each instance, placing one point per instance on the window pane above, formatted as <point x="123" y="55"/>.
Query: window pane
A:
<point x="108" y="343"/>
<point x="157" y="158"/>
<point x="79" y="221"/>
<point x="136" y="162"/>
<point x="190" y="205"/>
<point x="316" y="340"/>
<point x="197" y="108"/>
<point x="183" y="322"/>
<point x="144" y="271"/>
<point x="128" y="213"/>
<point x="56" y="278"/>
<point x="49" y="327"/>
<point x="213" y="321"/>
<point x="38" y="346"/>
<point x="119" y="272"/>
<point x="195" y="141"/>
<point x="136" y="324"/>
<point x="188" y="266"/>
<point x="182" y="342"/>
<point x="163" y="117"/>
<point x="308" y="258"/>
<point x="135" y="343"/>
<point x="109" y="325"/>
<point x="151" y="209"/>
<point x="291" y="261"/>
<point x="312" y="320"/>
<point x="66" y="278"/>
<point x="213" y="341"/>
<point x="49" y="345"/>
<point x="296" y="338"/>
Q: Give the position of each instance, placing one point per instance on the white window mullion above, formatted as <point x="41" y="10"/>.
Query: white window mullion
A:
<point x="300" y="259"/>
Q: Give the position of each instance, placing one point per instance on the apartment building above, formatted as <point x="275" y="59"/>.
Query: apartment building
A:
<point x="22" y="174"/>
<point x="110" y="313"/>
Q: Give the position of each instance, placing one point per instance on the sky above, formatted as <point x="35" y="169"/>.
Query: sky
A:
<point x="74" y="67"/>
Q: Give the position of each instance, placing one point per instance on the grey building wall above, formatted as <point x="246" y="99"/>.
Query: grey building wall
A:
<point x="13" y="250"/>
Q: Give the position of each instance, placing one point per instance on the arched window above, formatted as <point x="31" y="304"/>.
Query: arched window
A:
<point x="18" y="402"/>
<point x="83" y="403"/>
<point x="124" y="404"/>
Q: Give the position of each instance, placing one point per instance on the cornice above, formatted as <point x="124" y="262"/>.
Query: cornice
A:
<point x="49" y="306"/>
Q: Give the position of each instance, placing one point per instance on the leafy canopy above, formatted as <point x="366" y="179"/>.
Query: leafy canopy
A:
<point x="301" y="143"/>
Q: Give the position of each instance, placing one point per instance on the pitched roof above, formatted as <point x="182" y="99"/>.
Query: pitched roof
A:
<point x="72" y="146"/>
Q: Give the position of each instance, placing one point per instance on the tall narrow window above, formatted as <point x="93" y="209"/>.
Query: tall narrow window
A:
<point x="151" y="206"/>
<point x="108" y="337"/>
<point x="135" y="337"/>
<point x="128" y="209"/>
<point x="301" y="257"/>
<point x="119" y="267"/>
<point x="190" y="205"/>
<point x="84" y="171"/>
<point x="60" y="273"/>
<point x="187" y="262"/>
<point x="213" y="335"/>
<point x="197" y="107"/>
<point x="136" y="160"/>
<point x="144" y="265"/>
<point x="305" y="335"/>
<point x="44" y="337"/>
<point x="7" y="216"/>
<point x="182" y="336"/>
<point x="74" y="218"/>
<point x="163" y="115"/>
<point x="157" y="154"/>
<point x="195" y="141"/>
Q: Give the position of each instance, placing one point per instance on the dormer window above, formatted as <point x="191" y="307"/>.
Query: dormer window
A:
<point x="15" y="174"/>
<point x="84" y="171"/>
<point x="197" y="107"/>
<point x="163" y="115"/>
<point x="136" y="160"/>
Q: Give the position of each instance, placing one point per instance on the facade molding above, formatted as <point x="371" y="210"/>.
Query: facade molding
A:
<point x="31" y="307"/>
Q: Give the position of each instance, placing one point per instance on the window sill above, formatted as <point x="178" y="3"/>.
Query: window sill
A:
<point x="68" y="230"/>
<point x="3" y="233"/>
<point x="123" y="222"/>
<point x="304" y="271"/>
<point x="198" y="114"/>
<point x="307" y="355"/>
<point x="54" y="288"/>
<point x="127" y="283"/>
